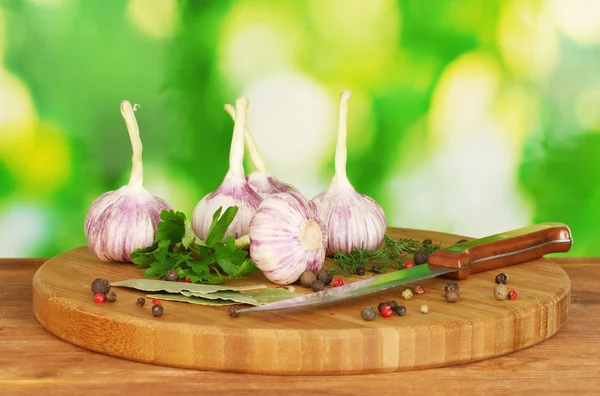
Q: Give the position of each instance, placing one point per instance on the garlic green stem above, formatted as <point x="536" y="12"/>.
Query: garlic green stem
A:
<point x="137" y="171"/>
<point x="236" y="154"/>
<point x="340" y="152"/>
<point x="255" y="156"/>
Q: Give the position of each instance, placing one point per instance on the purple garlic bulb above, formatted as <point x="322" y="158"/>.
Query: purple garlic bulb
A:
<point x="287" y="237"/>
<point x="233" y="191"/>
<point x="260" y="180"/>
<point x="119" y="222"/>
<point x="353" y="220"/>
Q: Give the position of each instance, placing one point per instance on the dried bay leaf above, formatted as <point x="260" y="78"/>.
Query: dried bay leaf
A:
<point x="151" y="285"/>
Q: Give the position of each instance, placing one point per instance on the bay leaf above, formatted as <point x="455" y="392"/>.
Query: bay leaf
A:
<point x="241" y="298"/>
<point x="190" y="299"/>
<point x="151" y="285"/>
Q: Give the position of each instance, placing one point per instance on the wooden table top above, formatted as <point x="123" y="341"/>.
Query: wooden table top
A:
<point x="33" y="360"/>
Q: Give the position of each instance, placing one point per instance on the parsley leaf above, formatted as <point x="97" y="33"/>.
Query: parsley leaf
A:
<point x="176" y="247"/>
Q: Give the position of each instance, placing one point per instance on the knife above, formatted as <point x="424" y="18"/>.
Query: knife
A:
<point x="454" y="262"/>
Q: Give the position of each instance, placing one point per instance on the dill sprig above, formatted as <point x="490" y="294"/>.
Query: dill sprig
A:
<point x="391" y="254"/>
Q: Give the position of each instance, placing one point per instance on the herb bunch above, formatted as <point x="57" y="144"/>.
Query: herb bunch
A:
<point x="391" y="254"/>
<point x="176" y="247"/>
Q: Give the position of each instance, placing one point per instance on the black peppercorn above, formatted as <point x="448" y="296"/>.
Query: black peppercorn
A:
<point x="157" y="310"/>
<point x="233" y="311"/>
<point x="317" y="285"/>
<point x="325" y="276"/>
<point x="451" y="286"/>
<point x="171" y="275"/>
<point x="502" y="278"/>
<point x="368" y="313"/>
<point x="427" y="242"/>
<point x="360" y="270"/>
<point x="400" y="310"/>
<point x="381" y="305"/>
<point x="462" y="241"/>
<point x="100" y="285"/>
<point x="421" y="257"/>
<point x="392" y="303"/>
<point x="140" y="302"/>
<point x="452" y="296"/>
<point x="111" y="297"/>
<point x="376" y="268"/>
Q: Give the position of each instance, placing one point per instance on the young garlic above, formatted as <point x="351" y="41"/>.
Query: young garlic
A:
<point x="120" y="221"/>
<point x="234" y="189"/>
<point x="353" y="220"/>
<point x="287" y="237"/>
<point x="260" y="180"/>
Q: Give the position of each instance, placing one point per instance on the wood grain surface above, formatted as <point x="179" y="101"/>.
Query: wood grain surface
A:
<point x="328" y="339"/>
<point x="33" y="361"/>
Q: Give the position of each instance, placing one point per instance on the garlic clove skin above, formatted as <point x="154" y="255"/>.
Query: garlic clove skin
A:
<point x="231" y="192"/>
<point x="265" y="185"/>
<point x="353" y="220"/>
<point x="121" y="221"/>
<point x="287" y="237"/>
<point x="234" y="189"/>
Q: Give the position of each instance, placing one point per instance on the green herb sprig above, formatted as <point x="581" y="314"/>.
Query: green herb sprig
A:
<point x="176" y="247"/>
<point x="391" y="254"/>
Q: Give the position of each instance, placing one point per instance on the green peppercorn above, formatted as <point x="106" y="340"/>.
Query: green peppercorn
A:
<point x="502" y="278"/>
<point x="157" y="310"/>
<point x="462" y="241"/>
<point x="171" y="275"/>
<point x="306" y="278"/>
<point x="317" y="285"/>
<point x="111" y="297"/>
<point x="368" y="313"/>
<point x="381" y="305"/>
<point x="400" y="310"/>
<point x="360" y="270"/>
<point x="325" y="276"/>
<point x="421" y="257"/>
<point x="140" y="302"/>
<point x="392" y="303"/>
<point x="101" y="286"/>
<point x="451" y="286"/>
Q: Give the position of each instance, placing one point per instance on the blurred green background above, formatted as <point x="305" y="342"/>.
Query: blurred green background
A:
<point x="467" y="116"/>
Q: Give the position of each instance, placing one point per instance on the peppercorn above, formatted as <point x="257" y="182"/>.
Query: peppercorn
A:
<point x="400" y="310"/>
<point x="325" y="276"/>
<point x="155" y="301"/>
<point x="100" y="285"/>
<point x="424" y="309"/>
<point x="381" y="305"/>
<point x="451" y="286"/>
<point x="392" y="303"/>
<point x="140" y="302"/>
<point x="452" y="296"/>
<point x="502" y="278"/>
<point x="419" y="290"/>
<point x="407" y="294"/>
<point x="233" y="311"/>
<point x="360" y="270"/>
<point x="386" y="311"/>
<point x="462" y="241"/>
<point x="99" y="298"/>
<point x="111" y="297"/>
<point x="338" y="282"/>
<point x="368" y="313"/>
<point x="427" y="242"/>
<point x="421" y="257"/>
<point x="317" y="285"/>
<point x="157" y="310"/>
<point x="512" y="295"/>
<point x="307" y="278"/>
<point x="376" y="268"/>
<point x="500" y="292"/>
<point x="409" y="264"/>
<point x="171" y="275"/>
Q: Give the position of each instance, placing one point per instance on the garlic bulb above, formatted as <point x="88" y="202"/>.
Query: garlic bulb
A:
<point x="119" y="222"/>
<point x="353" y="220"/>
<point x="287" y="237"/>
<point x="233" y="191"/>
<point x="260" y="180"/>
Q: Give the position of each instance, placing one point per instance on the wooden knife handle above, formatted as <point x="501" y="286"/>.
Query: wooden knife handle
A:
<point x="502" y="250"/>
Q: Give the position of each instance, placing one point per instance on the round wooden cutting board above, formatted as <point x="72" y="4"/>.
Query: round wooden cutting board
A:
<point x="325" y="339"/>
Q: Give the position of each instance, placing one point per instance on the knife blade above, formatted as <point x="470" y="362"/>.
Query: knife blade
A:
<point x="455" y="262"/>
